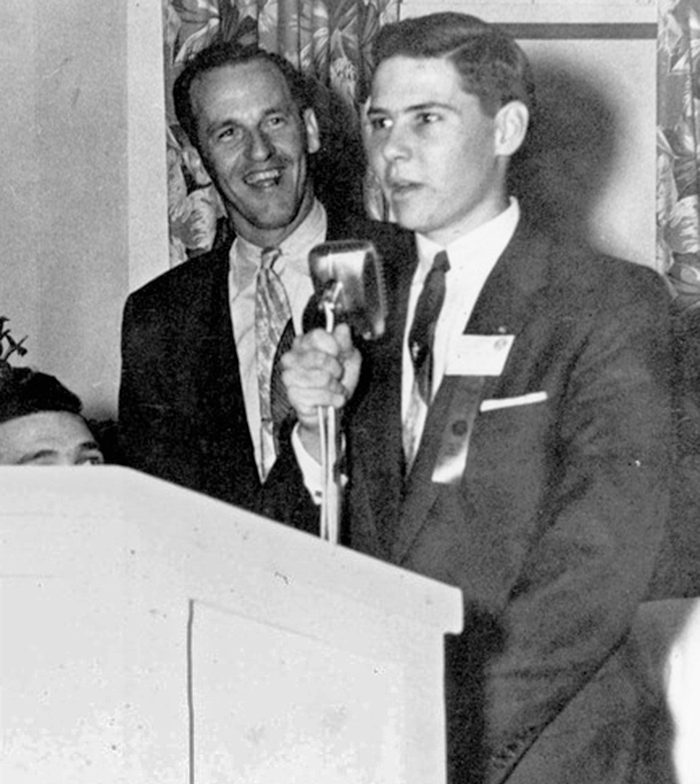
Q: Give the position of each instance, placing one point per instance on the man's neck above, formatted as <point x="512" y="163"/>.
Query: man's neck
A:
<point x="462" y="232"/>
<point x="296" y="245"/>
<point x="482" y="216"/>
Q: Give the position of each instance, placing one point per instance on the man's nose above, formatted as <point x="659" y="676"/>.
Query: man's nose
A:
<point x="396" y="144"/>
<point x="260" y="146"/>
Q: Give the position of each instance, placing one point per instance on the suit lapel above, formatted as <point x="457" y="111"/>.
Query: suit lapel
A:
<point x="505" y="301"/>
<point x="458" y="398"/>
<point x="218" y="374"/>
<point x="501" y="308"/>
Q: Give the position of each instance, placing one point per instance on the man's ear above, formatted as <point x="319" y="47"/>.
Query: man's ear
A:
<point x="313" y="135"/>
<point x="195" y="165"/>
<point x="511" y="127"/>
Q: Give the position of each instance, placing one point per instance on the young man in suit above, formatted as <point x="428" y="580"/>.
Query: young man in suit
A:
<point x="511" y="436"/>
<point x="199" y="344"/>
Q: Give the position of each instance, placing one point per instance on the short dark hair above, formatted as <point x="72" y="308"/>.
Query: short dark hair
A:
<point x="490" y="63"/>
<point x="220" y="55"/>
<point x="24" y="391"/>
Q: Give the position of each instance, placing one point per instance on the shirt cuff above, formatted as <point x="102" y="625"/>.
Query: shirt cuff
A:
<point x="310" y="469"/>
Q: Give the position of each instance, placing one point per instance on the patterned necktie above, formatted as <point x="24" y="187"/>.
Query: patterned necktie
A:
<point x="272" y="315"/>
<point x="422" y="334"/>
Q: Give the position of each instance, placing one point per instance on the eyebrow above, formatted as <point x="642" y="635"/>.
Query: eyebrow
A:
<point x="281" y="108"/>
<point x="419" y="107"/>
<point x="213" y="128"/>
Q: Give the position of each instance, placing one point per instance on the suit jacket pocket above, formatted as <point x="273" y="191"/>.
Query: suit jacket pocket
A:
<point x="511" y="449"/>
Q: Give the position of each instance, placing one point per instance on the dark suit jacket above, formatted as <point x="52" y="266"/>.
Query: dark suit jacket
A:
<point x="181" y="411"/>
<point x="552" y="530"/>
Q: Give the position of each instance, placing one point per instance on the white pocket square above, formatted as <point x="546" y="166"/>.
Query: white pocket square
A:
<point x="509" y="402"/>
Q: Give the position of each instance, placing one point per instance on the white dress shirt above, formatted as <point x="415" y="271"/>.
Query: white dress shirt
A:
<point x="292" y="267"/>
<point x="472" y="259"/>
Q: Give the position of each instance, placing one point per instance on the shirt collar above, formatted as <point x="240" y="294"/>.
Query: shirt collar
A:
<point x="488" y="239"/>
<point x="245" y="256"/>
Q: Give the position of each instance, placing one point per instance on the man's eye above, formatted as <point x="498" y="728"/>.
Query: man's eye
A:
<point x="379" y="123"/>
<point x="427" y="118"/>
<point x="91" y="460"/>
<point x="228" y="134"/>
<point x="276" y="121"/>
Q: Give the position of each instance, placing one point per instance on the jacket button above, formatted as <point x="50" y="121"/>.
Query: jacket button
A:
<point x="460" y="427"/>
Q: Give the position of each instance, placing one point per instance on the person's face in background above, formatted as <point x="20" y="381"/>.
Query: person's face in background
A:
<point x="440" y="158"/>
<point x="56" y="438"/>
<point x="254" y="145"/>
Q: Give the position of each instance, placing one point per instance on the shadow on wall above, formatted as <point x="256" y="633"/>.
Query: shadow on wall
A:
<point x="561" y="171"/>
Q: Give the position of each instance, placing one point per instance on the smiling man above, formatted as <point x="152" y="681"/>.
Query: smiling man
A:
<point x="199" y="402"/>
<point x="40" y="422"/>
<point x="253" y="130"/>
<point x="512" y="433"/>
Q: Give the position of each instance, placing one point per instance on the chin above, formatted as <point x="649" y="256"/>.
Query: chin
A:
<point x="409" y="220"/>
<point x="276" y="219"/>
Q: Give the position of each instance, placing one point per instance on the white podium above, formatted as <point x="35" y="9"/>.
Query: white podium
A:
<point x="153" y="635"/>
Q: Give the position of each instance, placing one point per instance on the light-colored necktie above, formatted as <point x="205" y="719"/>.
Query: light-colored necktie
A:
<point x="272" y="317"/>
<point x="420" y="346"/>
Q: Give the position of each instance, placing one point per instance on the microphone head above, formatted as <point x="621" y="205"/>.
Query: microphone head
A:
<point x="348" y="273"/>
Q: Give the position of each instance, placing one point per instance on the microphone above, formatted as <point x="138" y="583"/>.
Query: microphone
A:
<point x="349" y="285"/>
<point x="348" y="280"/>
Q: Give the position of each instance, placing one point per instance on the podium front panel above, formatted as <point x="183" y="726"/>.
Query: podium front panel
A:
<point x="151" y="634"/>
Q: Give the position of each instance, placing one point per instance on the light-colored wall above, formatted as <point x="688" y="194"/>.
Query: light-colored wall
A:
<point x="19" y="170"/>
<point x="67" y="216"/>
<point x="83" y="167"/>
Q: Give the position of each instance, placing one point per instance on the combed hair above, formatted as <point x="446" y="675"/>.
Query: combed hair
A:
<point x="490" y="63"/>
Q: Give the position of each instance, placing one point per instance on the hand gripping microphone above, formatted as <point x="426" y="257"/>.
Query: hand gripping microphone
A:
<point x="349" y="285"/>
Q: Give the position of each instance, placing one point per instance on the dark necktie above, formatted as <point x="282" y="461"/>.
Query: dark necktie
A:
<point x="422" y="334"/>
<point x="272" y="315"/>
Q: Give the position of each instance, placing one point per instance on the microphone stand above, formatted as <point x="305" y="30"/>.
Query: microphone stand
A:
<point x="328" y="430"/>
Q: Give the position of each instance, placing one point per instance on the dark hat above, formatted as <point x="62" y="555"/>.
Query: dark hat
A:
<point x="25" y="391"/>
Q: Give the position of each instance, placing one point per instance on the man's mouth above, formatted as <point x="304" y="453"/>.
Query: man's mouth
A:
<point x="264" y="179"/>
<point x="400" y="188"/>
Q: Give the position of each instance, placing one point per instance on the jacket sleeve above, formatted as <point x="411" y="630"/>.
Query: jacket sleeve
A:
<point x="153" y="434"/>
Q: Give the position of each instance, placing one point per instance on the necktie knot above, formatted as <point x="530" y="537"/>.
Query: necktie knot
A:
<point x="268" y="257"/>
<point x="441" y="262"/>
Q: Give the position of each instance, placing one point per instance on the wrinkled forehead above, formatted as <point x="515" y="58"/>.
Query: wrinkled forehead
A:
<point x="255" y="80"/>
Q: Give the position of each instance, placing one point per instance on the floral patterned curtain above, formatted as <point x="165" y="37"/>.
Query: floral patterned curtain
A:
<point x="678" y="148"/>
<point x="328" y="39"/>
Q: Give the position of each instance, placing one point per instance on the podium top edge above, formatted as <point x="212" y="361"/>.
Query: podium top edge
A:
<point x="188" y="521"/>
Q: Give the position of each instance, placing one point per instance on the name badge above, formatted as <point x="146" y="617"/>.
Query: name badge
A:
<point x="478" y="355"/>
